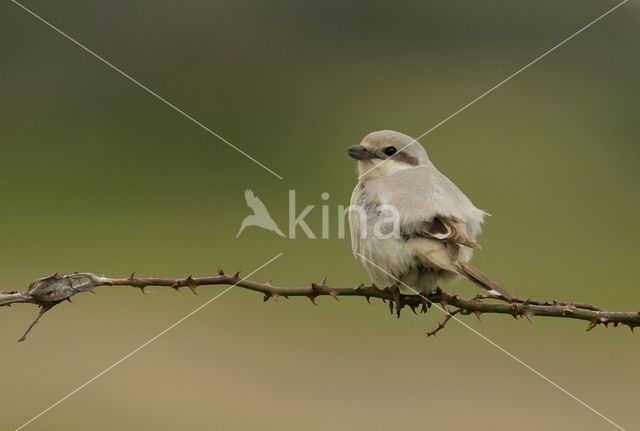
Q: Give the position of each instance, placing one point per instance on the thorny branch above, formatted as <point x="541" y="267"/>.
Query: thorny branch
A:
<point x="49" y="291"/>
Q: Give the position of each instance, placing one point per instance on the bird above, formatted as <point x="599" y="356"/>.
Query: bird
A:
<point x="411" y="226"/>
<point x="260" y="216"/>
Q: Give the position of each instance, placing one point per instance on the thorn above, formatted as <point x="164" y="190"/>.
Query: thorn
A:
<point x="592" y="325"/>
<point x="359" y="288"/>
<point x="324" y="282"/>
<point x="132" y="278"/>
<point x="190" y="283"/>
<point x="220" y="273"/>
<point x="315" y="287"/>
<point x="312" y="299"/>
<point x="413" y="308"/>
<point x="69" y="299"/>
<point x="268" y="283"/>
<point x="477" y="314"/>
<point x="391" y="306"/>
<point x="266" y="297"/>
<point x="368" y="298"/>
<point x="237" y="275"/>
<point x="141" y="289"/>
<point x="335" y="295"/>
<point x="434" y="333"/>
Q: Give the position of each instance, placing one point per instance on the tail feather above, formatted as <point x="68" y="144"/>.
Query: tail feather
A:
<point x="277" y="230"/>
<point x="474" y="274"/>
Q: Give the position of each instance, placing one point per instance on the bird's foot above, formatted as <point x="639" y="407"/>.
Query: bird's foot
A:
<point x="397" y="302"/>
<point x="425" y="302"/>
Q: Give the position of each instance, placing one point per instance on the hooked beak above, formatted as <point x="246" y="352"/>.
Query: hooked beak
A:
<point x="359" y="152"/>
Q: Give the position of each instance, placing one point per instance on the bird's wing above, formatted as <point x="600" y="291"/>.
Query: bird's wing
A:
<point x="441" y="223"/>
<point x="256" y="205"/>
<point x="450" y="230"/>
<point x="424" y="194"/>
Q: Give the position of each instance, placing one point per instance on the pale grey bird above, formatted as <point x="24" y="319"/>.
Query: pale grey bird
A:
<point x="260" y="216"/>
<point x="408" y="221"/>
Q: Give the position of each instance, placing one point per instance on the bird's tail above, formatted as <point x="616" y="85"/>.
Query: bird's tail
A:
<point x="277" y="230"/>
<point x="241" y="229"/>
<point x="474" y="274"/>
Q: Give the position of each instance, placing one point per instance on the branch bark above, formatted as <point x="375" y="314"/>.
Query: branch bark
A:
<point x="49" y="291"/>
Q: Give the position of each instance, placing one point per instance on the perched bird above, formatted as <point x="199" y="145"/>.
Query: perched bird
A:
<point x="408" y="221"/>
<point x="260" y="216"/>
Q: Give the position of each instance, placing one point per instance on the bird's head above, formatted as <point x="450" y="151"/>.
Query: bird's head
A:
<point x="386" y="152"/>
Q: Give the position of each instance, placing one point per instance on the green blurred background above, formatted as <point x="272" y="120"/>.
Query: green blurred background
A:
<point x="97" y="175"/>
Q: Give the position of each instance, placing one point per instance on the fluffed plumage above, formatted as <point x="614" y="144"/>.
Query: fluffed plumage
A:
<point x="437" y="225"/>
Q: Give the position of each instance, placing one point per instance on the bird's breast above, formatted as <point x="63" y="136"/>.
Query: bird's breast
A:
<point x="376" y="239"/>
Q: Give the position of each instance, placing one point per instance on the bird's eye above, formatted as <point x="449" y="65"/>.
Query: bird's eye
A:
<point x="390" y="151"/>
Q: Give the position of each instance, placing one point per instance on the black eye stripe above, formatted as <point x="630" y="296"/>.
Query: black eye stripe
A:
<point x="390" y="151"/>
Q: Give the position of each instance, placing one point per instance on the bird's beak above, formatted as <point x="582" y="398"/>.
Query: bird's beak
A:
<point x="359" y="152"/>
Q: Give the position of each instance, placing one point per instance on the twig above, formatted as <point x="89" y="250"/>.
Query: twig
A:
<point x="442" y="324"/>
<point x="49" y="291"/>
